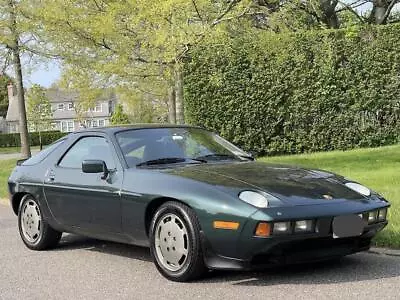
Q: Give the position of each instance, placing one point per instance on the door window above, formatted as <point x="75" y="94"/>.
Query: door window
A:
<point x="92" y="147"/>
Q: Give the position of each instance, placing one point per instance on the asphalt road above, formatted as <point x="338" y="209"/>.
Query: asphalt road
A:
<point x="82" y="268"/>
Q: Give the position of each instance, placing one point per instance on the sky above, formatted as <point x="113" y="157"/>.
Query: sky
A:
<point x="45" y="75"/>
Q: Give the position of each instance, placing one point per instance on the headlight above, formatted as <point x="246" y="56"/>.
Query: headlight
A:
<point x="303" y="226"/>
<point x="359" y="188"/>
<point x="256" y="199"/>
<point x="372" y="216"/>
<point x="382" y="214"/>
<point x="282" y="228"/>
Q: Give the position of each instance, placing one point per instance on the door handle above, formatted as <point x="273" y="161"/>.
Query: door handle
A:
<point x="50" y="176"/>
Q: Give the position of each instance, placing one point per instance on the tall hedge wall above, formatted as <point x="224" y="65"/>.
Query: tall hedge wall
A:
<point x="14" y="140"/>
<point x="312" y="91"/>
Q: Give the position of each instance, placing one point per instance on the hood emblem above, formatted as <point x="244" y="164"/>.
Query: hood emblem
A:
<point x="327" y="197"/>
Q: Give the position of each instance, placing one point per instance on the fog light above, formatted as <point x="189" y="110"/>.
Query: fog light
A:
<point x="372" y="216"/>
<point x="303" y="226"/>
<point x="281" y="228"/>
<point x="382" y="214"/>
<point x="263" y="229"/>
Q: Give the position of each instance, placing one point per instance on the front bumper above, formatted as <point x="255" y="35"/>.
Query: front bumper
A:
<point x="272" y="251"/>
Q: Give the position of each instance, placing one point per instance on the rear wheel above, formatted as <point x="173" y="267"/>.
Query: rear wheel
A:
<point x="34" y="230"/>
<point x="175" y="242"/>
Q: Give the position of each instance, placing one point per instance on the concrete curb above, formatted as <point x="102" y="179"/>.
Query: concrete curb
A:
<point x="385" y="251"/>
<point x="5" y="202"/>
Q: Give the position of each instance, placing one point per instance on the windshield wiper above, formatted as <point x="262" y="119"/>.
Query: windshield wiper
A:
<point x="216" y="156"/>
<point x="168" y="160"/>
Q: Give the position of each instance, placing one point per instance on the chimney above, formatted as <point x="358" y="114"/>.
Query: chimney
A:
<point x="12" y="111"/>
<point x="11" y="91"/>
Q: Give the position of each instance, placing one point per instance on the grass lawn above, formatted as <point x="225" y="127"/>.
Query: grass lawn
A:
<point x="6" y="167"/>
<point x="377" y="168"/>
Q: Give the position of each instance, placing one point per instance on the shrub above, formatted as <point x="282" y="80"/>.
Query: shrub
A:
<point x="310" y="91"/>
<point x="13" y="139"/>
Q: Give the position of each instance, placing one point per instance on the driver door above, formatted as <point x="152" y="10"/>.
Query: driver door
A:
<point x="85" y="200"/>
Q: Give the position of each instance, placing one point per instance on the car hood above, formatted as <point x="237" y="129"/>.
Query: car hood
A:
<point x="292" y="185"/>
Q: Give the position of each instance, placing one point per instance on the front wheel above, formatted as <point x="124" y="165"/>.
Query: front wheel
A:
<point x="34" y="230"/>
<point x="175" y="242"/>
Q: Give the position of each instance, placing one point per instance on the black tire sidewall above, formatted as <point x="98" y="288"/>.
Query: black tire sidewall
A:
<point x="194" y="241"/>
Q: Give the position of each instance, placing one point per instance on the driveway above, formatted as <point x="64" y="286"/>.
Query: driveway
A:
<point x="82" y="268"/>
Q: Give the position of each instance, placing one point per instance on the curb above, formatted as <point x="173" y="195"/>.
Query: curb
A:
<point x="385" y="251"/>
<point x="4" y="202"/>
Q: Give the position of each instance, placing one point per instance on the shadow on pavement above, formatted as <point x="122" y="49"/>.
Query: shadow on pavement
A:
<point x="75" y="242"/>
<point x="359" y="267"/>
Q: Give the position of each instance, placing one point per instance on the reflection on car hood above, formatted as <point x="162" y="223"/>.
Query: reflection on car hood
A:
<point x="294" y="186"/>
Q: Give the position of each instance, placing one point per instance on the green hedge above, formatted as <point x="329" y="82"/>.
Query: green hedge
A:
<point x="311" y="91"/>
<point x="14" y="140"/>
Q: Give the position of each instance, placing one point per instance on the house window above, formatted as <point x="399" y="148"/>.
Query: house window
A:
<point x="98" y="107"/>
<point x="101" y="123"/>
<point x="71" y="126"/>
<point x="94" y="123"/>
<point x="57" y="125"/>
<point x="60" y="106"/>
<point x="64" y="126"/>
<point x="70" y="106"/>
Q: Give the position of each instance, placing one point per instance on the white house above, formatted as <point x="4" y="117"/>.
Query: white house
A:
<point x="64" y="113"/>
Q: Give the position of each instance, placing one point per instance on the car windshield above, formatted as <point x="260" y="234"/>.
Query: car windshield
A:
<point x="156" y="146"/>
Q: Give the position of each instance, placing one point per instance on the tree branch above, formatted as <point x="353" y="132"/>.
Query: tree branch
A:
<point x="389" y="9"/>
<point x="197" y="11"/>
<point x="350" y="9"/>
<point x="225" y="12"/>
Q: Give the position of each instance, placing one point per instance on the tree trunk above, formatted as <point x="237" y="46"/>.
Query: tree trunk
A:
<point x="171" y="105"/>
<point x="23" y="128"/>
<point x="329" y="14"/>
<point x="180" y="113"/>
<point x="378" y="13"/>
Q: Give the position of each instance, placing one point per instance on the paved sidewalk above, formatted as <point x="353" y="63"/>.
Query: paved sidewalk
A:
<point x="16" y="155"/>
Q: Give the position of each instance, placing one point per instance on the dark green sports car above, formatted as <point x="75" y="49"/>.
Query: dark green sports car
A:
<point x="195" y="199"/>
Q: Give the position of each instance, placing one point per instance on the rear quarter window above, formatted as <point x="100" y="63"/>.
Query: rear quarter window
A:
<point x="43" y="154"/>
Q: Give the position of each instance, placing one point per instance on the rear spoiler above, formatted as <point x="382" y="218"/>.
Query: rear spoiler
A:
<point x="21" y="161"/>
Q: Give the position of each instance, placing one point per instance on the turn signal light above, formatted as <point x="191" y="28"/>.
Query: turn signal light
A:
<point x="226" y="225"/>
<point x="263" y="229"/>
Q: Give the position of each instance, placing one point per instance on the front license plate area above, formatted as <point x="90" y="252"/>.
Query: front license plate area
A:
<point x="347" y="226"/>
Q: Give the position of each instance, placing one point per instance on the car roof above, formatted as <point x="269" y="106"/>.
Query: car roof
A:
<point x="116" y="128"/>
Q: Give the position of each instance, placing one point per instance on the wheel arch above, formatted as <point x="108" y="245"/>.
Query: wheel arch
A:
<point x="153" y="206"/>
<point x="16" y="201"/>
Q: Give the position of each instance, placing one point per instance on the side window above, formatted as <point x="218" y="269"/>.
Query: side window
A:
<point x="88" y="148"/>
<point x="43" y="154"/>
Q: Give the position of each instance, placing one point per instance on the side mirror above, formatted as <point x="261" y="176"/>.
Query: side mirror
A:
<point x="95" y="166"/>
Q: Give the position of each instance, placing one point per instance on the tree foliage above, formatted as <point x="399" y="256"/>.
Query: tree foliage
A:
<point x="119" y="117"/>
<point x="278" y="15"/>
<point x="309" y="91"/>
<point x="39" y="110"/>
<point x="135" y="44"/>
<point x="4" y="81"/>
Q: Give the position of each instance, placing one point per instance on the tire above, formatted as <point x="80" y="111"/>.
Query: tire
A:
<point x="33" y="229"/>
<point x="175" y="243"/>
